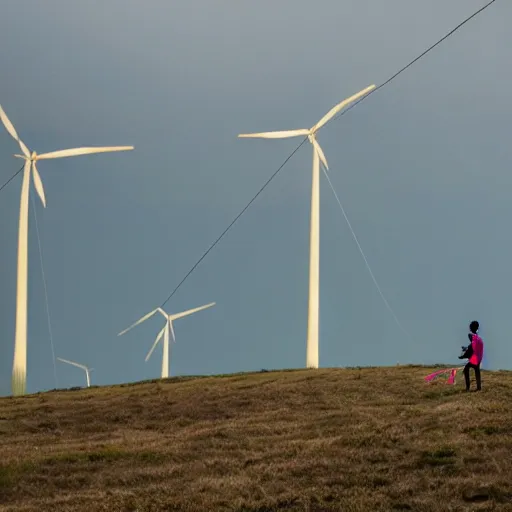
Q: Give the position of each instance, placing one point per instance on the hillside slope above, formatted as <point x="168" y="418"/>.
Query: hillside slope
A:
<point x="335" y="439"/>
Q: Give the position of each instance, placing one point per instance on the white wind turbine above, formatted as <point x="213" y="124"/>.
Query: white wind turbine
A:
<point x="314" y="248"/>
<point x="19" y="371"/>
<point x="83" y="367"/>
<point x="165" y="332"/>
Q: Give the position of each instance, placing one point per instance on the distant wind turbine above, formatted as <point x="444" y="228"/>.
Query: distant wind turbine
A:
<point x="83" y="367"/>
<point x="168" y="327"/>
<point x="314" y="248"/>
<point x="19" y="371"/>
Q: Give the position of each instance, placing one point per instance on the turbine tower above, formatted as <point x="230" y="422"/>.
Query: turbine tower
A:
<point x="314" y="240"/>
<point x="168" y="327"/>
<point x="83" y="367"/>
<point x="19" y="371"/>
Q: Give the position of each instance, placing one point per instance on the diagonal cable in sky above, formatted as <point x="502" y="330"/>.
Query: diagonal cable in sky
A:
<point x="11" y="178"/>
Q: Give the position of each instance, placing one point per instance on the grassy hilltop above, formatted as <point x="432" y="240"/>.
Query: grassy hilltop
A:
<point x="307" y="440"/>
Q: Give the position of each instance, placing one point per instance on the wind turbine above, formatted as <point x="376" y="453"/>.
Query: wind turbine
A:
<point x="87" y="370"/>
<point x="168" y="327"/>
<point x="19" y="371"/>
<point x="314" y="241"/>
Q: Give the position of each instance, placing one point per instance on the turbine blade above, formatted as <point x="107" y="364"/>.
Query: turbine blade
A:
<point x="190" y="311"/>
<point x="319" y="151"/>
<point x="38" y="184"/>
<point x="339" y="106"/>
<point x="172" y="331"/>
<point x="10" y="128"/>
<point x="139" y="321"/>
<point x="81" y="151"/>
<point x="74" y="364"/>
<point x="275" y="135"/>
<point x="160" y="334"/>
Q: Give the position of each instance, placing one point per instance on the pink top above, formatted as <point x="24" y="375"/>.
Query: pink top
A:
<point x="478" y="350"/>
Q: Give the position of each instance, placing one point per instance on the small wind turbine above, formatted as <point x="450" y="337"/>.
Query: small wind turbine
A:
<point x="314" y="248"/>
<point x="85" y="368"/>
<point x="19" y="371"/>
<point x="165" y="332"/>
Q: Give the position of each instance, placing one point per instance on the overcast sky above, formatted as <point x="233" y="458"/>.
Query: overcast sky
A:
<point x="423" y="168"/>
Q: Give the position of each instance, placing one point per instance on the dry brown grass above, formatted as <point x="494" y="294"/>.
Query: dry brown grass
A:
<point x="308" y="440"/>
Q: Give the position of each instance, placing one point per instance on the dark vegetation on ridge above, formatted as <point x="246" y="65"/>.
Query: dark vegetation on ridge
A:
<point x="360" y="440"/>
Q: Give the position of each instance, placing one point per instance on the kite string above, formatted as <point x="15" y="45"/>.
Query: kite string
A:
<point x="365" y="259"/>
<point x="45" y="294"/>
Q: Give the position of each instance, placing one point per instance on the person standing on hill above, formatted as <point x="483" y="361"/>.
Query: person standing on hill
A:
<point x="475" y="353"/>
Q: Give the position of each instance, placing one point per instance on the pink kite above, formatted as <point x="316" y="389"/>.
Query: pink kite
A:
<point x="448" y="373"/>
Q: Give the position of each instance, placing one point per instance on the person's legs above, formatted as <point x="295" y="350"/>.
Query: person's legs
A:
<point x="466" y="375"/>
<point x="478" y="378"/>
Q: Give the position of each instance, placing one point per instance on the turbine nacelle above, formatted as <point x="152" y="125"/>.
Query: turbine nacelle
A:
<point x="31" y="158"/>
